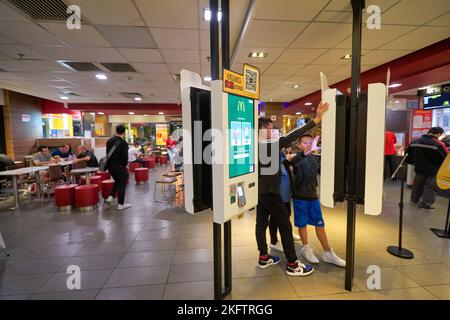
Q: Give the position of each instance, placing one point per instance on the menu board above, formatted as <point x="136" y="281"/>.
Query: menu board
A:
<point x="421" y="122"/>
<point x="161" y="134"/>
<point x="241" y="123"/>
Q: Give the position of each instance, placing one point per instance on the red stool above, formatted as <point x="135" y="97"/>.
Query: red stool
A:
<point x="86" y="197"/>
<point x="163" y="160"/>
<point x="93" y="180"/>
<point x="106" y="188"/>
<point x="105" y="175"/>
<point x="132" y="166"/>
<point x="65" y="196"/>
<point x="157" y="158"/>
<point x="150" y="163"/>
<point x="141" y="175"/>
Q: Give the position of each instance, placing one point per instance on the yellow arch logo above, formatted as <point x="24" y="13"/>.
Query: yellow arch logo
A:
<point x="241" y="106"/>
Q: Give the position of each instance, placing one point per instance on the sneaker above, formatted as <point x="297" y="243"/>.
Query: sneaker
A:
<point x="308" y="253"/>
<point x="123" y="206"/>
<point x="296" y="237"/>
<point x="333" y="258"/>
<point x="299" y="269"/>
<point x="109" y="200"/>
<point x="268" y="261"/>
<point x="277" y="246"/>
<point x="425" y="206"/>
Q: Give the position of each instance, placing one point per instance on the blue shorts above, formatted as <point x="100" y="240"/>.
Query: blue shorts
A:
<point x="308" y="212"/>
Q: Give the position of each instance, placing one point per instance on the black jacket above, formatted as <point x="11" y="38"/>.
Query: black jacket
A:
<point x="427" y="154"/>
<point x="268" y="177"/>
<point x="306" y="169"/>
<point x="120" y="155"/>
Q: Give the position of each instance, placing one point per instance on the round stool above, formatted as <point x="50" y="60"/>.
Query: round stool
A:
<point x="86" y="197"/>
<point x="105" y="175"/>
<point x="163" y="160"/>
<point x="93" y="180"/>
<point x="106" y="188"/>
<point x="157" y="158"/>
<point x="141" y="175"/>
<point x="150" y="163"/>
<point x="65" y="196"/>
<point x="132" y="166"/>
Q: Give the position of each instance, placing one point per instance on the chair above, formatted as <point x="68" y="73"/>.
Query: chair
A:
<point x="165" y="184"/>
<point x="56" y="178"/>
<point x="78" y="165"/>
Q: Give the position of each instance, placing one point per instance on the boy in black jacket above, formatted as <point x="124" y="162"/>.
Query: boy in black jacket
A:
<point x="306" y="202"/>
<point x="270" y="203"/>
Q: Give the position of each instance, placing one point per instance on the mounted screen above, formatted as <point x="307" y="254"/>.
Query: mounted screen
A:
<point x="241" y="144"/>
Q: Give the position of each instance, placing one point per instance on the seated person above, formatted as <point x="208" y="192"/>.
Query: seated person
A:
<point x="84" y="154"/>
<point x="178" y="159"/>
<point x="42" y="157"/>
<point x="62" y="152"/>
<point x="134" y="154"/>
<point x="5" y="162"/>
<point x="148" y="149"/>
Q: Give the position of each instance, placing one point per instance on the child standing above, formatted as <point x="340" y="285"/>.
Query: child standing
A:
<point x="306" y="203"/>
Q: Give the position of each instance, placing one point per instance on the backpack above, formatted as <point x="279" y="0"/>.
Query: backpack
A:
<point x="103" y="163"/>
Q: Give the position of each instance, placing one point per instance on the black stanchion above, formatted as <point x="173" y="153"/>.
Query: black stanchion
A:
<point x="399" y="251"/>
<point x="446" y="232"/>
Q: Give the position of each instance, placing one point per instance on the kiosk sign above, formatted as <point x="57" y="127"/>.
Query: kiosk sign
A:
<point x="246" y="85"/>
<point x="240" y="134"/>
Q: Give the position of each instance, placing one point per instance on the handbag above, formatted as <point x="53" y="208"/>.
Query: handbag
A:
<point x="102" y="164"/>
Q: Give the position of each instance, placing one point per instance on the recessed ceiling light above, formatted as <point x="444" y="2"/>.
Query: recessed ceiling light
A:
<point x="145" y="115"/>
<point x="395" y="85"/>
<point x="131" y="113"/>
<point x="308" y="104"/>
<point x="137" y="99"/>
<point x="101" y="76"/>
<point x="101" y="113"/>
<point x="260" y="55"/>
<point x="93" y="113"/>
<point x="271" y="100"/>
<point x="423" y="88"/>
<point x="397" y="101"/>
<point x="161" y="113"/>
<point x="64" y="98"/>
<point x="295" y="86"/>
<point x="207" y="15"/>
<point x="298" y="113"/>
<point x="347" y="57"/>
<point x="207" y="78"/>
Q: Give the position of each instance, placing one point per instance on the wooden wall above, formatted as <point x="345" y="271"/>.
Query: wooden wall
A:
<point x="274" y="109"/>
<point x="21" y="135"/>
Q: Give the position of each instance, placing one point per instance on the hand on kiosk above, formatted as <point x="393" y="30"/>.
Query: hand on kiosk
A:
<point x="321" y="109"/>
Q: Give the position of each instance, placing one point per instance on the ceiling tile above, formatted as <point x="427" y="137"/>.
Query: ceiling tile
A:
<point x="141" y="55"/>
<point x="419" y="38"/>
<point x="158" y="77"/>
<point x="151" y="67"/>
<point x="272" y="55"/>
<point x="316" y="69"/>
<point x="12" y="66"/>
<point x="300" y="56"/>
<point x="177" y="67"/>
<point x="335" y="16"/>
<point x="169" y="13"/>
<point x="128" y="76"/>
<point x="292" y="10"/>
<point x="101" y="54"/>
<point x="302" y="79"/>
<point x="275" y="34"/>
<point x="206" y="69"/>
<point x="165" y="84"/>
<point x="373" y="39"/>
<point x="5" y="40"/>
<point x="334" y="56"/>
<point x="13" y="51"/>
<point x="10" y="15"/>
<point x="379" y="57"/>
<point x="273" y="79"/>
<point x="28" y="33"/>
<point x="415" y="12"/>
<point x="110" y="12"/>
<point x="183" y="39"/>
<point x="128" y="37"/>
<point x="58" y="52"/>
<point x="48" y="66"/>
<point x="443" y="21"/>
<point x="204" y="40"/>
<point x="283" y="69"/>
<point x="345" y="5"/>
<point x="87" y="36"/>
<point x="330" y="35"/>
<point x="181" y="56"/>
<point x="239" y="67"/>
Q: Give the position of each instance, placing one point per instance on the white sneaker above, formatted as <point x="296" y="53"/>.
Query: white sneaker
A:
<point x="123" y="206"/>
<point x="109" y="200"/>
<point x="296" y="236"/>
<point x="277" y="246"/>
<point x="333" y="258"/>
<point x="308" y="253"/>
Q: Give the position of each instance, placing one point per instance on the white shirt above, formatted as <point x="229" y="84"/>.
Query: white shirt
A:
<point x="132" y="154"/>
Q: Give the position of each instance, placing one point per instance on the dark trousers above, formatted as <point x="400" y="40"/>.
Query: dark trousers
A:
<point x="120" y="176"/>
<point x="273" y="228"/>
<point x="389" y="166"/>
<point x="270" y="205"/>
<point x="141" y="161"/>
<point x="424" y="188"/>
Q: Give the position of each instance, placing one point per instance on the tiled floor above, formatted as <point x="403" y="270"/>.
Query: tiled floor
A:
<point x="153" y="251"/>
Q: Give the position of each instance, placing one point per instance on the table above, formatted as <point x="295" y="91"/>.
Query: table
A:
<point x="65" y="163"/>
<point x="88" y="171"/>
<point x="15" y="176"/>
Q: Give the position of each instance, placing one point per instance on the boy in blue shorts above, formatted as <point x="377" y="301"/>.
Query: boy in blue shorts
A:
<point x="307" y="209"/>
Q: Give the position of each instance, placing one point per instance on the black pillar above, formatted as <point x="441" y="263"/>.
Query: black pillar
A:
<point x="358" y="6"/>
<point x="214" y="39"/>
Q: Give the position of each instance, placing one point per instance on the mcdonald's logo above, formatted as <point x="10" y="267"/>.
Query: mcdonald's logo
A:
<point x="241" y="106"/>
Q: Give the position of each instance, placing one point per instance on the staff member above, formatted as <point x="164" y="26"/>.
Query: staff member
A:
<point x="117" y="167"/>
<point x="389" y="153"/>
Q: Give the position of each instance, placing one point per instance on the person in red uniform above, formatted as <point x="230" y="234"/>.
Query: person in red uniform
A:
<point x="389" y="153"/>
<point x="170" y="145"/>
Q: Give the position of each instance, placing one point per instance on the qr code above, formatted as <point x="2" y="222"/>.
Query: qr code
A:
<point x="250" y="80"/>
